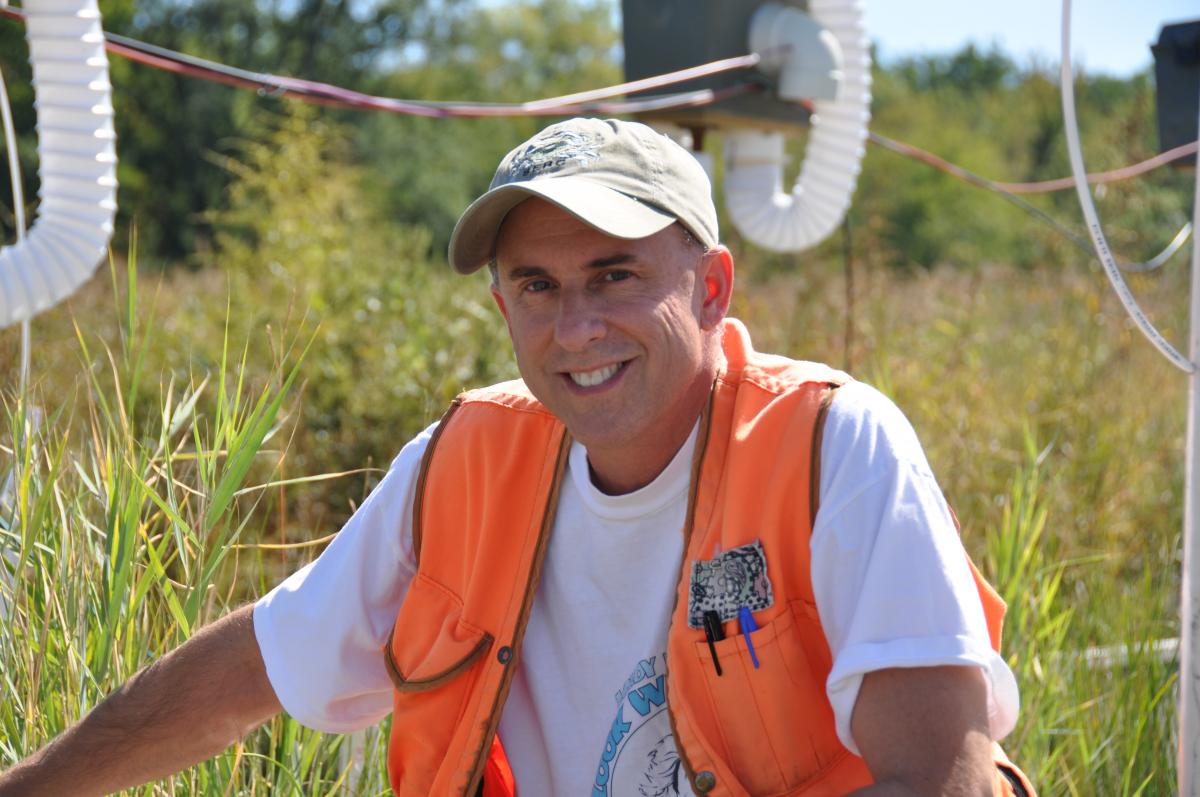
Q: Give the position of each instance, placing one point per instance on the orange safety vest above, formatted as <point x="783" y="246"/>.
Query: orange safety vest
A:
<point x="485" y="502"/>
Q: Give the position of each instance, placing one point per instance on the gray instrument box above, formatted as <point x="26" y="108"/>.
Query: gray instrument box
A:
<point x="1177" y="75"/>
<point x="667" y="35"/>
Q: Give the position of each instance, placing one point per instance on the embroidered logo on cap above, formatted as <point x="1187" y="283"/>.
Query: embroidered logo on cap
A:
<point x="552" y="152"/>
<point x="729" y="581"/>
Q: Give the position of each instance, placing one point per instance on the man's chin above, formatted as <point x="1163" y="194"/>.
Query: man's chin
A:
<point x="597" y="432"/>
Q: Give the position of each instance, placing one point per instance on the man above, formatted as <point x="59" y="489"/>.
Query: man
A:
<point x="518" y="593"/>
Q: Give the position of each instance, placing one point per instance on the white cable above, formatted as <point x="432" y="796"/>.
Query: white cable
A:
<point x="18" y="201"/>
<point x="1066" y="79"/>
<point x="1160" y="260"/>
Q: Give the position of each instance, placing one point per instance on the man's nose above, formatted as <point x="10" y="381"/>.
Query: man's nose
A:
<point x="580" y="321"/>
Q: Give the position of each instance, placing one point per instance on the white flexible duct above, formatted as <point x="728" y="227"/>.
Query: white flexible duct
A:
<point x="77" y="160"/>
<point x="754" y="196"/>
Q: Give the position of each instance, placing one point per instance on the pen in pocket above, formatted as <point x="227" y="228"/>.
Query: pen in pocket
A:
<point x="747" y="625"/>
<point x="713" y="633"/>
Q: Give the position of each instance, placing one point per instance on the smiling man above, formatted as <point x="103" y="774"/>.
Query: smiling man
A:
<point x="660" y="563"/>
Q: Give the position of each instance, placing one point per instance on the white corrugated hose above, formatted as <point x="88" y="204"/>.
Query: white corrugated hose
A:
<point x="754" y="161"/>
<point x="77" y="160"/>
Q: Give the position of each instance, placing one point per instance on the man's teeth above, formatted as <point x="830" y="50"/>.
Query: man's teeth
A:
<point x="593" y="378"/>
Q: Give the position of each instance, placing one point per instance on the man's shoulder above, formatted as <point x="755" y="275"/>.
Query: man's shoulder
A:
<point x="771" y="372"/>
<point x="861" y="419"/>
<point x="501" y="416"/>
<point x="857" y="415"/>
<point x="778" y="373"/>
<point x="513" y="394"/>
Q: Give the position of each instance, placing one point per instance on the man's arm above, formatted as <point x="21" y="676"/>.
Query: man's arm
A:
<point x="924" y="731"/>
<point x="183" y="708"/>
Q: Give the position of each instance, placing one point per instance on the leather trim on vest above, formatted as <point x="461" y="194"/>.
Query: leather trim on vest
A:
<point x="698" y="460"/>
<point x="535" y="577"/>
<point x="688" y="524"/>
<point x="419" y="500"/>
<point x="814" y="470"/>
<point x="403" y="684"/>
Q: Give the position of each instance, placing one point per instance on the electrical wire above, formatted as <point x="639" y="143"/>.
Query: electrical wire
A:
<point x="18" y="200"/>
<point x="552" y="106"/>
<point x="1042" y="186"/>
<point x="325" y="94"/>
<point x="1064" y="183"/>
<point x="1004" y="190"/>
<point x="1071" y="125"/>
<point x="968" y="176"/>
<point x="336" y="96"/>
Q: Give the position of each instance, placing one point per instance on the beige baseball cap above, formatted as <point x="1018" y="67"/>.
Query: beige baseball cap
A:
<point x="623" y="178"/>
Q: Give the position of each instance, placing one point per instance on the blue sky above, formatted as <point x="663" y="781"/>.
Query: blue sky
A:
<point x="1111" y="36"/>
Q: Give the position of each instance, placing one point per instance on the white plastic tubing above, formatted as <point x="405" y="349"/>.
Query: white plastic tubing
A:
<point x="1084" y="191"/>
<point x="77" y="160"/>
<point x="754" y="196"/>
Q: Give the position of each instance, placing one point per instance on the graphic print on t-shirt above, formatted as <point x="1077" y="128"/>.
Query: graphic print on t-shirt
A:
<point x="639" y="757"/>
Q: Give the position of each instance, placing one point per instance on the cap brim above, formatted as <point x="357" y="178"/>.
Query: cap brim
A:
<point x="473" y="241"/>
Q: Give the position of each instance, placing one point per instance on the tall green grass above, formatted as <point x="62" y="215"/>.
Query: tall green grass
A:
<point x="125" y="512"/>
<point x="1096" y="720"/>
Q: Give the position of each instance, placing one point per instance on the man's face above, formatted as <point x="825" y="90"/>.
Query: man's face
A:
<point x="616" y="337"/>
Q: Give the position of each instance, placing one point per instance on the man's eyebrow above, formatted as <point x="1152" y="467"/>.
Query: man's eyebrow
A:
<point x="521" y="272"/>
<point x="524" y="272"/>
<point x="611" y="260"/>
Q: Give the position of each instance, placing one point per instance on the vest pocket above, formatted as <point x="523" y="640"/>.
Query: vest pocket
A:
<point x="435" y="659"/>
<point x="431" y="644"/>
<point x="775" y="721"/>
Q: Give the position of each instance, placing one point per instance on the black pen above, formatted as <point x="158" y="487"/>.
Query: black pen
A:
<point x="713" y="632"/>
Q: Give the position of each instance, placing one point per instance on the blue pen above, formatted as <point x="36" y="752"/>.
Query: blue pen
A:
<point x="747" y="624"/>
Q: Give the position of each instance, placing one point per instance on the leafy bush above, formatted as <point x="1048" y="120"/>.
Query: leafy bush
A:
<point x="396" y="333"/>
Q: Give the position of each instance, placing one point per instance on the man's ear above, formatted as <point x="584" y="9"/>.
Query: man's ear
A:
<point x="500" y="304"/>
<point x="716" y="274"/>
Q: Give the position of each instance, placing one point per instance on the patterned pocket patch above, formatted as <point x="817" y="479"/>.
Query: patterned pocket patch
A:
<point x="729" y="581"/>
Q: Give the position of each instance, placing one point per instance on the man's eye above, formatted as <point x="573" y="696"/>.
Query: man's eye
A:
<point x="537" y="286"/>
<point x="617" y="275"/>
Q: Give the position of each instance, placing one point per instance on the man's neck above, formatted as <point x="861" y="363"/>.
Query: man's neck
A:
<point x="628" y="480"/>
<point x="626" y="472"/>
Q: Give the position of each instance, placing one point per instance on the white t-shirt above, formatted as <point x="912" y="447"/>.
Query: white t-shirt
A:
<point x="586" y="713"/>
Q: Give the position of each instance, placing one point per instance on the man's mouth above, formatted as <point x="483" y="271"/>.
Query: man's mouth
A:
<point x="595" y="377"/>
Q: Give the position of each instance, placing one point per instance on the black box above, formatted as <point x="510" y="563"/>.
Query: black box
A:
<point x="667" y="35"/>
<point x="1177" y="74"/>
